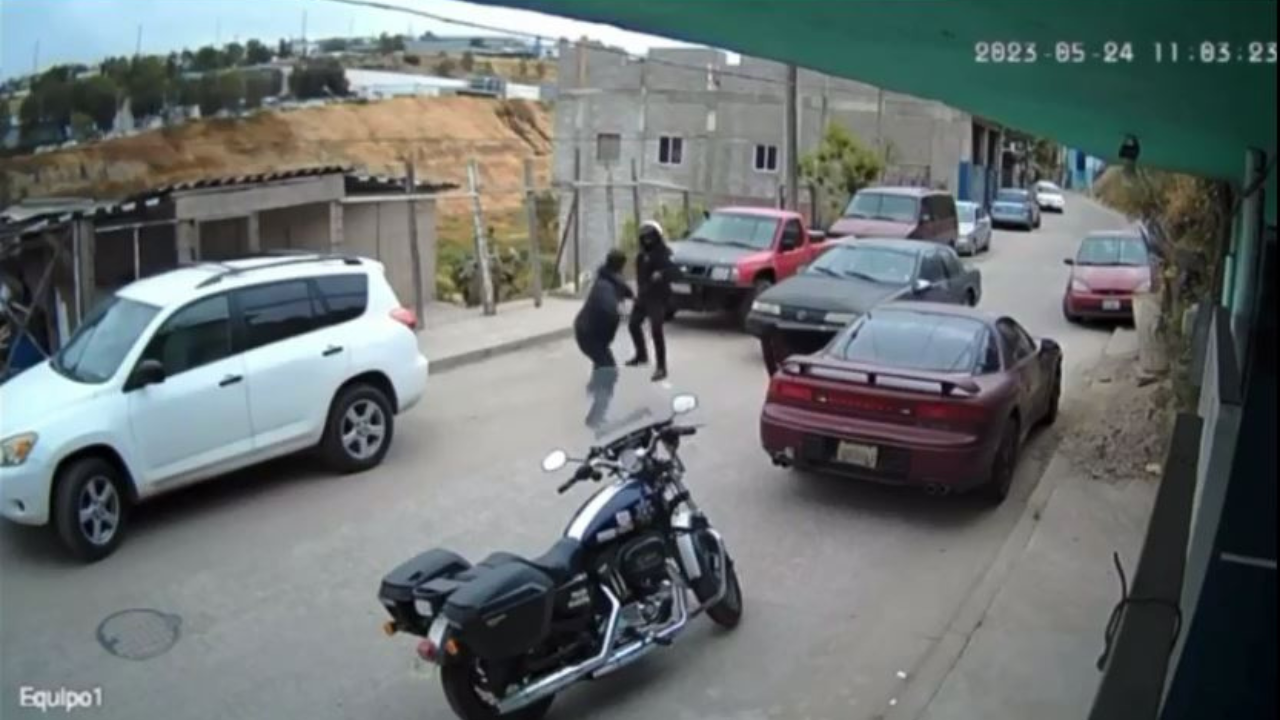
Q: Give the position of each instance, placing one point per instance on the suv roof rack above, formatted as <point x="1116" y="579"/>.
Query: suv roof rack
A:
<point x="287" y="258"/>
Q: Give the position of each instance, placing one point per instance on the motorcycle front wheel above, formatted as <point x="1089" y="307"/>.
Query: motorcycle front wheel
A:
<point x="463" y="680"/>
<point x="728" y="612"/>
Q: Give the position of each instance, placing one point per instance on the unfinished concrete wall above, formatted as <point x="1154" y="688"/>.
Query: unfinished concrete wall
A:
<point x="305" y="227"/>
<point x="224" y="239"/>
<point x="381" y="231"/>
<point x="722" y="113"/>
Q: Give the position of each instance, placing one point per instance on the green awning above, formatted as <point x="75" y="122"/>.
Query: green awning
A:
<point x="1192" y="116"/>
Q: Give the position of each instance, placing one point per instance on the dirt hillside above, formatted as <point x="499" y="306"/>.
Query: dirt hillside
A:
<point x="441" y="134"/>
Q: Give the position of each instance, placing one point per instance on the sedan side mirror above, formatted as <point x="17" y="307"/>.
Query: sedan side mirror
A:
<point x="148" y="372"/>
<point x="1068" y="261"/>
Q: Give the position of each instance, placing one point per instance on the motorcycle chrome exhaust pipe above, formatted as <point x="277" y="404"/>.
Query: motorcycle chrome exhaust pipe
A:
<point x="633" y="651"/>
<point x="560" y="679"/>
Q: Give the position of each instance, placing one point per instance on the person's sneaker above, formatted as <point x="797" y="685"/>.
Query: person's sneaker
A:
<point x="637" y="362"/>
<point x="660" y="374"/>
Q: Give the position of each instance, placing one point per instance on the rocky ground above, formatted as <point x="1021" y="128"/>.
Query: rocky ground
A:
<point x="1122" y="426"/>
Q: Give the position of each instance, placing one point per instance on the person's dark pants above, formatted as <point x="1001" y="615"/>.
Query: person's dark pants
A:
<point x="597" y="351"/>
<point x="655" y="311"/>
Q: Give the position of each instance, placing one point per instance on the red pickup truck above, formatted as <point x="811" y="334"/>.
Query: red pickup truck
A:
<point x="738" y="253"/>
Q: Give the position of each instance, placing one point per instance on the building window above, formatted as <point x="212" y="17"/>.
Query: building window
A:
<point x="766" y="159"/>
<point x="670" y="150"/>
<point x="608" y="147"/>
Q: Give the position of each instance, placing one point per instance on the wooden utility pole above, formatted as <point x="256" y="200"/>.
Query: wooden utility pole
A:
<point x="415" y="251"/>
<point x="793" y="139"/>
<point x="577" y="218"/>
<point x="535" y="244"/>
<point x="482" y="245"/>
<point x="635" y="195"/>
<point x="608" y="202"/>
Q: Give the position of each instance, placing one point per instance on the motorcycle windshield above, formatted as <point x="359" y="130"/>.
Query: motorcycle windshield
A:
<point x="621" y="401"/>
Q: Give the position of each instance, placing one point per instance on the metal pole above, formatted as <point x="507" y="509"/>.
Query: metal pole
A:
<point x="535" y="244"/>
<point x="482" y="245"/>
<point x="415" y="252"/>
<point x="793" y="139"/>
<point x="577" y="219"/>
<point x="137" y="259"/>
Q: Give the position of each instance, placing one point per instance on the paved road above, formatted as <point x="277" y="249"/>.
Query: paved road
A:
<point x="274" y="572"/>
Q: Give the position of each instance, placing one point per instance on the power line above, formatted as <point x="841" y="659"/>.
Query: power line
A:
<point x="534" y="36"/>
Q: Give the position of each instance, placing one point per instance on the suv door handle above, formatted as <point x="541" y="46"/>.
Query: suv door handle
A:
<point x="331" y="350"/>
<point x="230" y="380"/>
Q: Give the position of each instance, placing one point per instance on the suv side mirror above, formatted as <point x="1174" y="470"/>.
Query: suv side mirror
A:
<point x="922" y="286"/>
<point x="148" y="372"/>
<point x="1049" y="346"/>
<point x="1068" y="261"/>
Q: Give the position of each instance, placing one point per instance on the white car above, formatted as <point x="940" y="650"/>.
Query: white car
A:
<point x="1050" y="197"/>
<point x="199" y="371"/>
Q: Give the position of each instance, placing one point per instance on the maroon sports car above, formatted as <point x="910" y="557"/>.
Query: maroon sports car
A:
<point x="936" y="396"/>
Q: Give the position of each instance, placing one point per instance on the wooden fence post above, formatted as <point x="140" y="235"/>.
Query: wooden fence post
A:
<point x="481" y="243"/>
<point x="415" y="252"/>
<point x="535" y="245"/>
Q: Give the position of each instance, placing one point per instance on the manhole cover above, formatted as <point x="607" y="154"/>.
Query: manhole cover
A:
<point x="139" y="634"/>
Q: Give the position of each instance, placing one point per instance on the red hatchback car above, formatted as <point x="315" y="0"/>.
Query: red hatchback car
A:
<point x="1108" y="270"/>
<point x="936" y="396"/>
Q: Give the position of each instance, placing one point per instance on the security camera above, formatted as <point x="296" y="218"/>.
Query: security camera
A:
<point x="1130" y="149"/>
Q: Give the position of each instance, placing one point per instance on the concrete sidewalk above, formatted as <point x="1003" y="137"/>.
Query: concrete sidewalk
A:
<point x="1026" y="642"/>
<point x="454" y="335"/>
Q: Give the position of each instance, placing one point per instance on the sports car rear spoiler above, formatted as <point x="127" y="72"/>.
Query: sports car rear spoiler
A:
<point x="875" y="375"/>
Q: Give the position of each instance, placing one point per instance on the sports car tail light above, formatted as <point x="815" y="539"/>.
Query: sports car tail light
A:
<point x="784" y="390"/>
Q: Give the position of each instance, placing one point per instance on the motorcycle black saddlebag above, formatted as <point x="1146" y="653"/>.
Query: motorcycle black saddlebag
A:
<point x="398" y="587"/>
<point x="505" y="611"/>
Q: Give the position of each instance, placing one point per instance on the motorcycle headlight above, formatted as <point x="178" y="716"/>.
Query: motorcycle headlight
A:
<point x="1079" y="286"/>
<point x="15" y="450"/>
<point x="838" y="318"/>
<point x="765" y="308"/>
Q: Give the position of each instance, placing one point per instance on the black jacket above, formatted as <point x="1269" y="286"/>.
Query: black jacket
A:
<point x="655" y="260"/>
<point x="599" y="317"/>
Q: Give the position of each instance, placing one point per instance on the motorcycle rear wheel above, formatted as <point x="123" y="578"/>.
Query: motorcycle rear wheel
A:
<point x="460" y="680"/>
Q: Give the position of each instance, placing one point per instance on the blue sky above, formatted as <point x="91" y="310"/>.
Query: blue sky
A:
<point x="88" y="30"/>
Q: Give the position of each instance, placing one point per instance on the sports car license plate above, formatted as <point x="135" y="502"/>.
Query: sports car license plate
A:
<point x="1110" y="304"/>
<point x="682" y="288"/>
<point x="857" y="454"/>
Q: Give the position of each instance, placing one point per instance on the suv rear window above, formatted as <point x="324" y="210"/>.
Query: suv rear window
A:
<point x="344" y="297"/>
<point x="912" y="340"/>
<point x="277" y="311"/>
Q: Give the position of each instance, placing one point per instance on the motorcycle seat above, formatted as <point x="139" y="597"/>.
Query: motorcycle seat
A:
<point x="562" y="561"/>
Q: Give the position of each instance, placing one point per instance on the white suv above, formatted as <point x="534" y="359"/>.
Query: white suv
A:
<point x="202" y="370"/>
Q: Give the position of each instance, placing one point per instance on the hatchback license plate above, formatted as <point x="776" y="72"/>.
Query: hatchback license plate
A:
<point x="682" y="288"/>
<point x="857" y="454"/>
<point x="1110" y="304"/>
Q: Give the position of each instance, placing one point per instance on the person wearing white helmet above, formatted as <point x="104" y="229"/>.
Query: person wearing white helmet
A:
<point x="654" y="273"/>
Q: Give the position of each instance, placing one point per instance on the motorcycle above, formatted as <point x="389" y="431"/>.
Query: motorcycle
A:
<point x="637" y="562"/>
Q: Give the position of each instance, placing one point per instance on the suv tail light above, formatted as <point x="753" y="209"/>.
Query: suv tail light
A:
<point x="405" y="317"/>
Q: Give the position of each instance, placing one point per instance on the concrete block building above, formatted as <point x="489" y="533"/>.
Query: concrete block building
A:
<point x="699" y="119"/>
